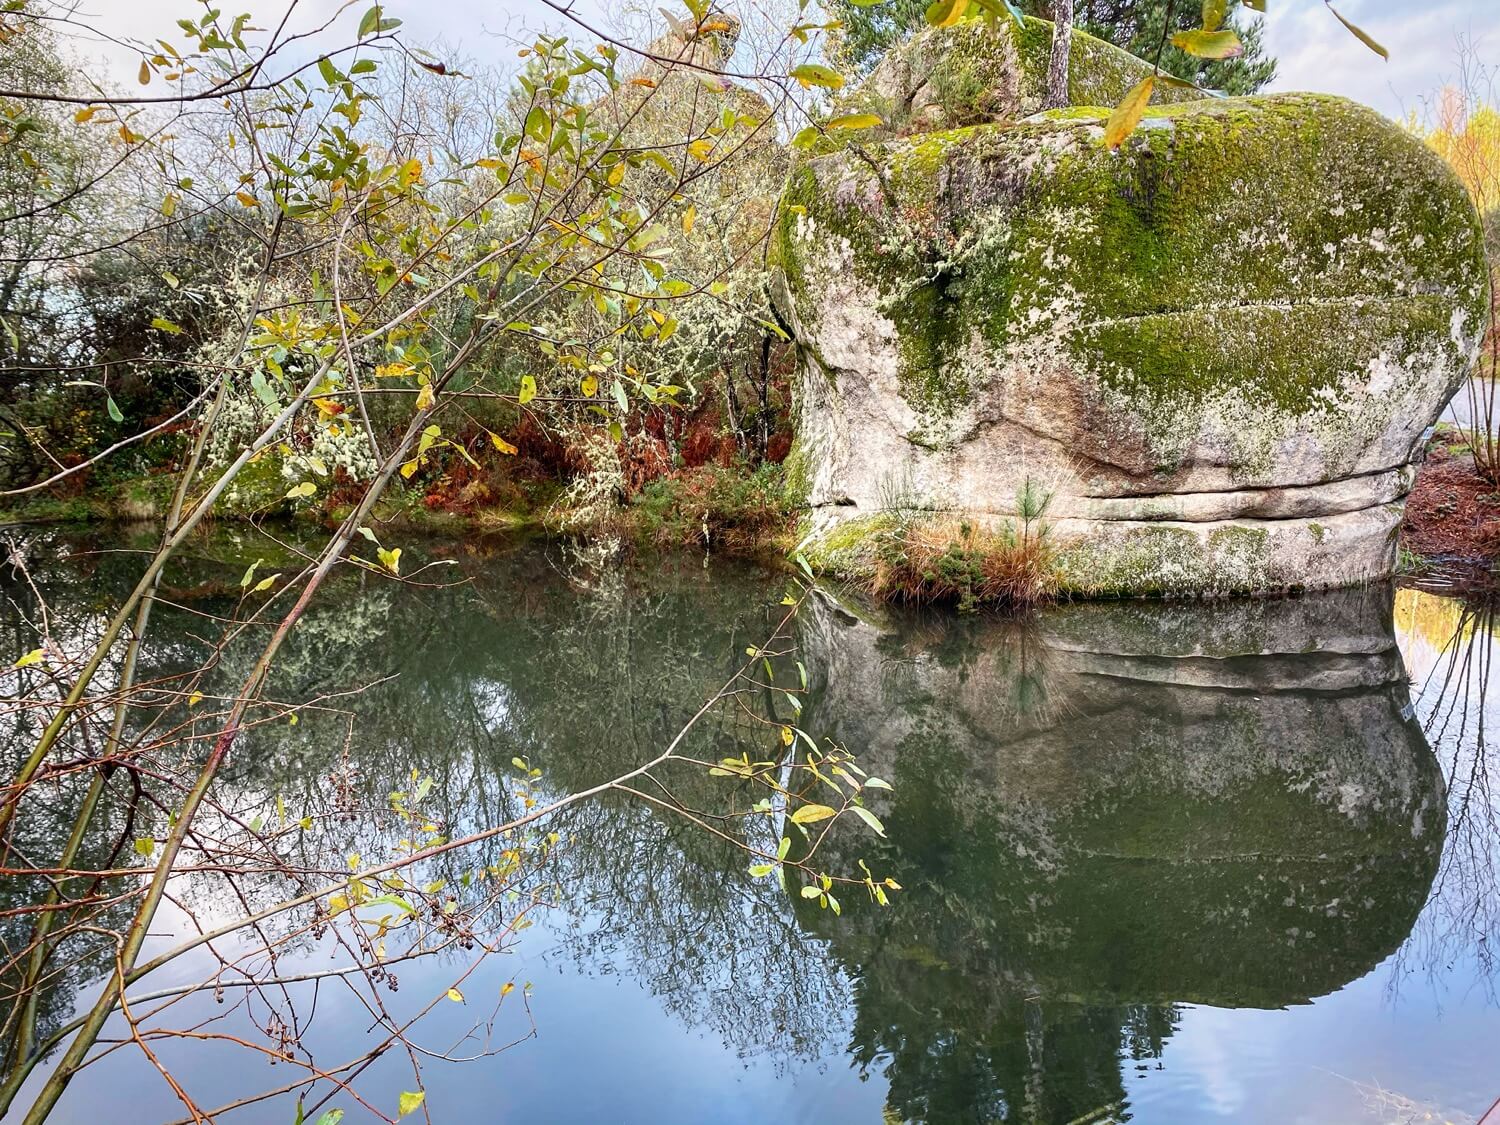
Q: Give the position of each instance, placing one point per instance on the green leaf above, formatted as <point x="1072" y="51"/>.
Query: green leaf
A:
<point x="363" y="66"/>
<point x="392" y="900"/>
<point x="332" y="1117"/>
<point x="1210" y="44"/>
<point x="757" y="870"/>
<point x="262" y="388"/>
<point x="145" y="845"/>
<point x="786" y="846"/>
<point x="1360" y="35"/>
<point x="869" y="818"/>
<point x="113" y="407"/>
<point x="390" y="559"/>
<point x="815" y="74"/>
<point x="301" y="491"/>
<point x="811" y="891"/>
<point x="1213" y="13"/>
<point x="162" y="324"/>
<point x="369" y="22"/>
<point x="250" y="573"/>
<point x="876" y="783"/>
<point x="331" y="74"/>
<point x="1128" y="113"/>
<point x="410" y="1101"/>
<point x="623" y="402"/>
<point x="811" y="814"/>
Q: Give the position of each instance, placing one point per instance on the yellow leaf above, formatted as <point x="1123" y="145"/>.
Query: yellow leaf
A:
<point x="815" y="74"/>
<point x="528" y="389"/>
<point x="1223" y="44"/>
<point x="169" y="205"/>
<point x="392" y="370"/>
<point x="616" y="174"/>
<point x="301" y="491"/>
<point x="328" y="407"/>
<point x="83" y="116"/>
<point x="1360" y="35"/>
<point x="648" y="83"/>
<point x="689" y="217"/>
<point x="855" y="121"/>
<point x="265" y="584"/>
<point x="409" y="468"/>
<point x="32" y="657"/>
<point x="787" y="736"/>
<point x="946" y="13"/>
<point x="455" y="995"/>
<point x="195" y="699"/>
<point x="589" y="386"/>
<point x="410" y="1101"/>
<point x="502" y="445"/>
<point x="337" y="904"/>
<point x="811" y="814"/>
<point x="507" y="988"/>
<point x="390" y="559"/>
<point x="701" y="149"/>
<point x="143" y="76"/>
<point x="1128" y="113"/>
<point x="246" y="199"/>
<point x="426" y="397"/>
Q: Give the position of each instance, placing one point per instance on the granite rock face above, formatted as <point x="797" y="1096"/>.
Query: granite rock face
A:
<point x="1217" y="349"/>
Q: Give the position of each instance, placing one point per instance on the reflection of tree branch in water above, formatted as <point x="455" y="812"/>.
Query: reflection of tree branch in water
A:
<point x="1462" y="918"/>
<point x="248" y="888"/>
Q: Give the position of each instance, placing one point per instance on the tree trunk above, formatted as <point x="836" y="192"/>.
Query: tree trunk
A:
<point x="1057" y="67"/>
<point x="765" y="398"/>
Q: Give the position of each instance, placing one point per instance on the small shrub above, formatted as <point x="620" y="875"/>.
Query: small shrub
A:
<point x="928" y="558"/>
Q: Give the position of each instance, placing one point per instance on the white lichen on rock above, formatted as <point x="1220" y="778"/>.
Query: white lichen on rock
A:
<point x="1242" y="322"/>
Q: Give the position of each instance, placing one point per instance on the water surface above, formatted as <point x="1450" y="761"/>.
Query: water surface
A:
<point x="1161" y="862"/>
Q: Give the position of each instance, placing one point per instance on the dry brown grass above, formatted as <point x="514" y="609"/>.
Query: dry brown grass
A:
<point x="938" y="559"/>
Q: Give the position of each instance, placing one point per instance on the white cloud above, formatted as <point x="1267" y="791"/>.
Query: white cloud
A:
<point x="1314" y="52"/>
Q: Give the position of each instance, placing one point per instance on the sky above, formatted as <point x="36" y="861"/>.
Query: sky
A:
<point x="1313" y="49"/>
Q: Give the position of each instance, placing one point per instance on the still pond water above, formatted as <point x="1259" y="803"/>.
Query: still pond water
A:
<point x="1162" y="862"/>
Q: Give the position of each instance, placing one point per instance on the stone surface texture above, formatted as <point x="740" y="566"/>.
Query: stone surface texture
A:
<point x="1216" y="349"/>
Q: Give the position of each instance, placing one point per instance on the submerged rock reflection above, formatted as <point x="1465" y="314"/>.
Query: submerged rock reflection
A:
<point x="1107" y="811"/>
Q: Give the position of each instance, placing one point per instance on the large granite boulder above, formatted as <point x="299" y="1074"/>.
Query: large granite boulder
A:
<point x="1217" y="348"/>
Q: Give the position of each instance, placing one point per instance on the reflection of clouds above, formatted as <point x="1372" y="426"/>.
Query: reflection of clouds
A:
<point x="1205" y="1045"/>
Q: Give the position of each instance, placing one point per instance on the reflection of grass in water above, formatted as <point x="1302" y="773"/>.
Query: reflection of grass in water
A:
<point x="1390" y="1108"/>
<point x="1427" y="617"/>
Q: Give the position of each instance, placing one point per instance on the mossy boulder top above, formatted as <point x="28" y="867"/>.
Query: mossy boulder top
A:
<point x="975" y="73"/>
<point x="1216" y="348"/>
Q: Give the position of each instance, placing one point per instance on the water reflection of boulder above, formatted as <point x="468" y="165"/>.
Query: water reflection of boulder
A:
<point x="1111" y="809"/>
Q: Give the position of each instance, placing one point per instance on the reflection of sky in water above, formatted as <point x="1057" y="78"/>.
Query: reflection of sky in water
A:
<point x="614" y="1042"/>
